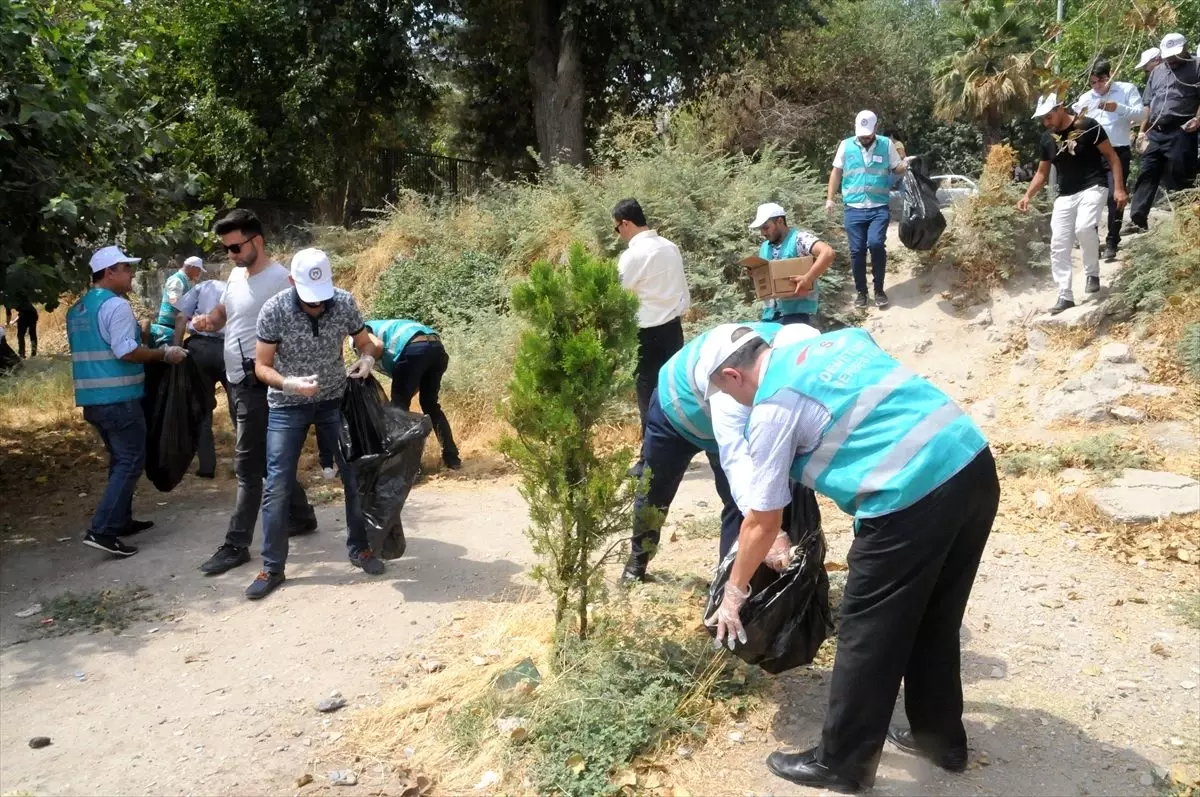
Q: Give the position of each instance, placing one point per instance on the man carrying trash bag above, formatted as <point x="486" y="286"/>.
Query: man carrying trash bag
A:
<point x="680" y="423"/>
<point x="416" y="360"/>
<point x="841" y="416"/>
<point x="299" y="357"/>
<point x="108" y="374"/>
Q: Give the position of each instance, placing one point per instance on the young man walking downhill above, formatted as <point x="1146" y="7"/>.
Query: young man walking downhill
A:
<point x="299" y="357"/>
<point x="1078" y="147"/>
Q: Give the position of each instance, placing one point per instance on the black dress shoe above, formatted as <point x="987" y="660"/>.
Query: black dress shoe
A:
<point x="1110" y="254"/>
<point x="1092" y="285"/>
<point x="303" y="527"/>
<point x="1060" y="305"/>
<point x="805" y="769"/>
<point x="633" y="573"/>
<point x="951" y="759"/>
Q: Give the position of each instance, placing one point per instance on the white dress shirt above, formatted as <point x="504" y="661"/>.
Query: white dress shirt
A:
<point x="730" y="417"/>
<point x="117" y="325"/>
<point x="652" y="268"/>
<point x="893" y="159"/>
<point x="201" y="300"/>
<point x="1115" y="123"/>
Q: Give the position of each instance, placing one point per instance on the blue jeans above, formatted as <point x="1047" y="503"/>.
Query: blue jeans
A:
<point x="667" y="453"/>
<point x="122" y="427"/>
<point x="866" y="230"/>
<point x="287" y="429"/>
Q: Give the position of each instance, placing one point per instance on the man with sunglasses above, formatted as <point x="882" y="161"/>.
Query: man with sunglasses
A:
<point x="108" y="373"/>
<point x="254" y="280"/>
<point x="301" y="338"/>
<point x="1114" y="104"/>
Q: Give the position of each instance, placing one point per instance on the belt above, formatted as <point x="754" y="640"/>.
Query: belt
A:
<point x="423" y="337"/>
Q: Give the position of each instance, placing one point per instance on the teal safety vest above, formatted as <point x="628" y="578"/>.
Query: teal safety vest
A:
<point x="682" y="400"/>
<point x="892" y="437"/>
<point x="166" y="312"/>
<point x="395" y="336"/>
<point x="866" y="177"/>
<point x="775" y="308"/>
<point x="160" y="335"/>
<point x="99" y="377"/>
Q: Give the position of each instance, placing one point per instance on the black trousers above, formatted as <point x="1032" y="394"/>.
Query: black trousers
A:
<point x="910" y="575"/>
<point x="420" y="368"/>
<point x="1170" y="160"/>
<point x="208" y="353"/>
<point x="655" y="347"/>
<point x="27" y="325"/>
<point x="1116" y="215"/>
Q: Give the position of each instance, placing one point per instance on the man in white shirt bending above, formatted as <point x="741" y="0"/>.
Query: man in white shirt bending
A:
<point x="1114" y="104"/>
<point x="652" y="268"/>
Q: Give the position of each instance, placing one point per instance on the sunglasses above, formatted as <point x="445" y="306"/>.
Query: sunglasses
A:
<point x="236" y="249"/>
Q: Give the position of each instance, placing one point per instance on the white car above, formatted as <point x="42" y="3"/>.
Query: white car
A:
<point x="950" y="187"/>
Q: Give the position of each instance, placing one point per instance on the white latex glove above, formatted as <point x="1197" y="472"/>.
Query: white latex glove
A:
<point x="175" y="354"/>
<point x="729" y="624"/>
<point x="829" y="206"/>
<point x="780" y="555"/>
<point x="301" y="385"/>
<point x="362" y="368"/>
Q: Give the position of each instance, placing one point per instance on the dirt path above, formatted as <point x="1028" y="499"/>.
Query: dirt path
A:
<point x="1079" y="678"/>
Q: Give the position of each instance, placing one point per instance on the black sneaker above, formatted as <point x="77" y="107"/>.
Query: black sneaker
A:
<point x="452" y="461"/>
<point x="136" y="527"/>
<point x="861" y="301"/>
<point x="1110" y="253"/>
<point x="368" y="561"/>
<point x="306" y="527"/>
<point x="1133" y="228"/>
<point x="108" y="544"/>
<point x="1060" y="305"/>
<point x="1093" y="285"/>
<point x="881" y="299"/>
<point x="226" y="558"/>
<point x="264" y="585"/>
<point x="633" y="573"/>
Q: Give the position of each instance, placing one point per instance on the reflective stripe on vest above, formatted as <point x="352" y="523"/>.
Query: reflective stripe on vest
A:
<point x="774" y="308"/>
<point x="863" y="180"/>
<point x="98" y="376"/>
<point x="682" y="400"/>
<point x="166" y="311"/>
<point x="892" y="437"/>
<point x="395" y="335"/>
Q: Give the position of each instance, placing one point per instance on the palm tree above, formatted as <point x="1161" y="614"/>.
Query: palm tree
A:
<point x="994" y="75"/>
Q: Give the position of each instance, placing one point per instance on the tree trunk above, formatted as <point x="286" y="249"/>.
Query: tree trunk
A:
<point x="555" y="74"/>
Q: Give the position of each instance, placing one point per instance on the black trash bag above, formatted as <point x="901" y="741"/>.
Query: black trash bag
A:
<point x="176" y="403"/>
<point x="921" y="221"/>
<point x="787" y="615"/>
<point x="383" y="445"/>
<point x="9" y="359"/>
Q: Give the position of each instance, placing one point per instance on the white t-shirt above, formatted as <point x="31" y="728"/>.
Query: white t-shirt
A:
<point x="729" y="426"/>
<point x="200" y="300"/>
<point x="243" y="298"/>
<point x="652" y="268"/>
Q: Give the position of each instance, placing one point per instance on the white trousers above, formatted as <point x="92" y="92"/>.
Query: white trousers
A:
<point x="1076" y="218"/>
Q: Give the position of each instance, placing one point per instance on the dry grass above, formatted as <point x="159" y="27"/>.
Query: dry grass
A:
<point x="1069" y="338"/>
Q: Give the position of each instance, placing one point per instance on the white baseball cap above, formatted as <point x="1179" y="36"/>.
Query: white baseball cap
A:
<point x="766" y="212"/>
<point x="1047" y="103"/>
<point x="1147" y="57"/>
<point x="110" y="256"/>
<point x="1172" y="44"/>
<point x="718" y="346"/>
<point x="864" y="123"/>
<point x="195" y="262"/>
<point x="313" y="275"/>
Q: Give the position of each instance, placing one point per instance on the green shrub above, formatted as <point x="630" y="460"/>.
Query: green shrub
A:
<point x="1106" y="453"/>
<point x="1164" y="262"/>
<point x="444" y="289"/>
<point x="1189" y="350"/>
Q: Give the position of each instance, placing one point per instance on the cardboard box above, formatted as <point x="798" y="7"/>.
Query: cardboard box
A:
<point x="771" y="277"/>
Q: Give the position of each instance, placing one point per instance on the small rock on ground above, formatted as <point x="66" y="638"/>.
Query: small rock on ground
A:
<point x="343" y="777"/>
<point x="1127" y="414"/>
<point x="39" y="742"/>
<point x="1115" y="353"/>
<point x="331" y="704"/>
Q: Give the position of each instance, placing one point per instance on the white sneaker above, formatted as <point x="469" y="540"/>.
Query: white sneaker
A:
<point x="328" y="473"/>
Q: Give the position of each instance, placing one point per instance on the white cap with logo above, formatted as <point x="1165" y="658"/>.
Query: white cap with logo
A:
<point x="1172" y="44"/>
<point x="864" y="123"/>
<point x="718" y="347"/>
<point x="313" y="275"/>
<point x="110" y="256"/>
<point x="1047" y="103"/>
<point x="766" y="212"/>
<point x="1147" y="57"/>
<point x="195" y="262"/>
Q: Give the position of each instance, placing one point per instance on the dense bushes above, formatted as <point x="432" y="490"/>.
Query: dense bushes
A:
<point x="441" y="290"/>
